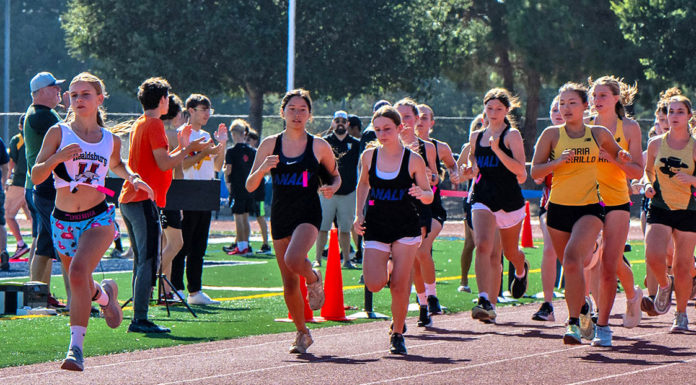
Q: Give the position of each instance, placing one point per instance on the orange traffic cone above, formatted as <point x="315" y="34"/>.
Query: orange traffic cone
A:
<point x="308" y="313"/>
<point x="526" y="239"/>
<point x="333" y="308"/>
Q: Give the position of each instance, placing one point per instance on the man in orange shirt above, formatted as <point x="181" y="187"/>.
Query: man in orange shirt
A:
<point x="149" y="156"/>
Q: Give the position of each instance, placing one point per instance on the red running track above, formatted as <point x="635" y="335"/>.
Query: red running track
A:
<point x="516" y="350"/>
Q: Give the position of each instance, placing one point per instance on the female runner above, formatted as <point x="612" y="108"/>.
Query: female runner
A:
<point x="296" y="159"/>
<point x="574" y="216"/>
<point x="393" y="176"/>
<point x="80" y="152"/>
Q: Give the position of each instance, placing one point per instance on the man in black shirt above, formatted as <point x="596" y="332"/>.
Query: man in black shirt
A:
<point x="342" y="205"/>
<point x="238" y="162"/>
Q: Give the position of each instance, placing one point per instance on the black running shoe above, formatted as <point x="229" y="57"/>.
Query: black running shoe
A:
<point x="424" y="320"/>
<point x="519" y="285"/>
<point x="483" y="311"/>
<point x="147" y="327"/>
<point x="397" y="344"/>
<point x="545" y="313"/>
<point x="228" y="249"/>
<point x="434" y="305"/>
<point x="265" y="249"/>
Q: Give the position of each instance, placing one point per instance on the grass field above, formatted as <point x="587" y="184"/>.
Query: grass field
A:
<point x="242" y="312"/>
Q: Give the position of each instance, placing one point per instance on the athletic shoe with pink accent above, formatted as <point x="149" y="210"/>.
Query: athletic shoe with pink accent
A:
<point x="242" y="252"/>
<point x="113" y="315"/>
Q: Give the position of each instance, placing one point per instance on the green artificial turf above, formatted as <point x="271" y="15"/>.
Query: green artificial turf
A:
<point x="33" y="340"/>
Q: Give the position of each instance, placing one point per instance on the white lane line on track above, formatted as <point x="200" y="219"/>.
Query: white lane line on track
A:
<point x="634" y="372"/>
<point x="381" y="351"/>
<point x="493" y="362"/>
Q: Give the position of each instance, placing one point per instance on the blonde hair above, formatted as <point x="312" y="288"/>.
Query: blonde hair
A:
<point x="617" y="86"/>
<point x="240" y="126"/>
<point x="99" y="87"/>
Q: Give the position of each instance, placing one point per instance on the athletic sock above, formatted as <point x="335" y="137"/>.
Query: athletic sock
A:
<point x="101" y="297"/>
<point x="241" y="245"/>
<point x="483" y="295"/>
<point x="430" y="289"/>
<point x="422" y="299"/>
<point x="77" y="336"/>
<point x="574" y="321"/>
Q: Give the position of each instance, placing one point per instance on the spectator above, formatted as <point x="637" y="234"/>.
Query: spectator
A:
<point x="15" y="191"/>
<point x="354" y="126"/>
<point x="238" y="161"/>
<point x="203" y="165"/>
<point x="4" y="160"/>
<point x="260" y="208"/>
<point x="342" y="205"/>
<point x="149" y="156"/>
<point x="40" y="116"/>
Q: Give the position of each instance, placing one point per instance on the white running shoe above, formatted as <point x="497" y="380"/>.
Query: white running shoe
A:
<point x="587" y="327"/>
<point x="315" y="292"/>
<point x="681" y="323"/>
<point x="302" y="342"/>
<point x="201" y="298"/>
<point x="663" y="298"/>
<point x="633" y="314"/>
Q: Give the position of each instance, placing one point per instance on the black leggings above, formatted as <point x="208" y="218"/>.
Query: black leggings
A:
<point x="194" y="228"/>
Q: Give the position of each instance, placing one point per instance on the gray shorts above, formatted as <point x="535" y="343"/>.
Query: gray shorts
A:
<point x="341" y="207"/>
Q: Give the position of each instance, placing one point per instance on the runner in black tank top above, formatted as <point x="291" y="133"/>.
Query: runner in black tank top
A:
<point x="497" y="203"/>
<point x="424" y="267"/>
<point x="295" y="182"/>
<point x="295" y="158"/>
<point x="391" y="227"/>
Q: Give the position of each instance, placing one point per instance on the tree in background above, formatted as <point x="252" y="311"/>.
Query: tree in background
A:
<point x="343" y="48"/>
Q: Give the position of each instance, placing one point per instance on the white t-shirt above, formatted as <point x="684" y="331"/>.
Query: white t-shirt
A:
<point x="204" y="169"/>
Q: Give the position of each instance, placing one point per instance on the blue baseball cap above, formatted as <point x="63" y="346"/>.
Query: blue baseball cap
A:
<point x="44" y="79"/>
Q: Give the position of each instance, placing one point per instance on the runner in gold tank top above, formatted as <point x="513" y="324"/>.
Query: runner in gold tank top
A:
<point x="609" y="96"/>
<point x="670" y="168"/>
<point x="573" y="222"/>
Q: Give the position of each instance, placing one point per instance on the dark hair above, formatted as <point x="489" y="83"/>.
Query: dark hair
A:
<point x="354" y="121"/>
<point x="408" y="102"/>
<point x="253" y="134"/>
<point x="502" y="95"/>
<point x="195" y="100"/>
<point x="175" y="106"/>
<point x="151" y="92"/>
<point x="21" y="121"/>
<point x="578" y="88"/>
<point x="625" y="92"/>
<point x="300" y="92"/>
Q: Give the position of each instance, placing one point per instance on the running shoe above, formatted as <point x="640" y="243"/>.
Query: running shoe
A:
<point x="647" y="305"/>
<point x="424" y="320"/>
<point x="228" y="249"/>
<point x="587" y="327"/>
<point x="663" y="299"/>
<point x="147" y="327"/>
<point x="483" y="311"/>
<point x="114" y="254"/>
<point x="572" y="335"/>
<point x="545" y="313"/>
<point x="21" y="250"/>
<point x="265" y="249"/>
<point x="201" y="298"/>
<point x="302" y="342"/>
<point x="315" y="292"/>
<point x="633" y="314"/>
<point x="74" y="360"/>
<point x="53" y="302"/>
<point x="681" y="323"/>
<point x="464" y="289"/>
<point x="602" y="336"/>
<point x="113" y="315"/>
<point x="434" y="305"/>
<point x="397" y="344"/>
<point x="242" y="252"/>
<point x="519" y="285"/>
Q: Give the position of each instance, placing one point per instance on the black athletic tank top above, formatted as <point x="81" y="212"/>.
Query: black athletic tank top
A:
<point x="424" y="210"/>
<point x="295" y="185"/>
<point x="391" y="212"/>
<point x="496" y="186"/>
<point x="437" y="199"/>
